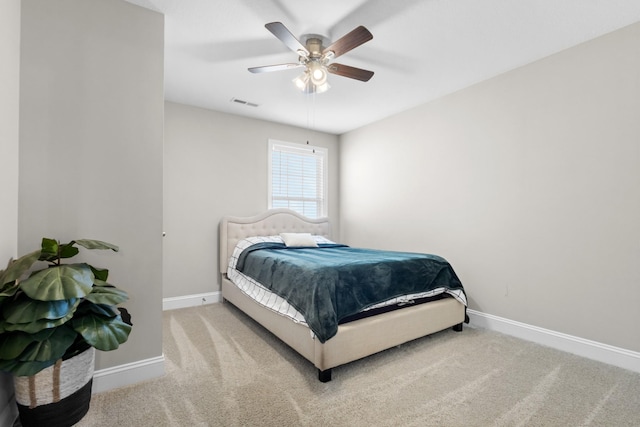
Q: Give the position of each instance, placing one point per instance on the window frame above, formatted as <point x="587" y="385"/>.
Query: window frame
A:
<point x="321" y="154"/>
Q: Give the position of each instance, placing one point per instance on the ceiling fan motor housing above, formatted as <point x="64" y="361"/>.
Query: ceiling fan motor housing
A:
<point x="314" y="44"/>
<point x="315" y="62"/>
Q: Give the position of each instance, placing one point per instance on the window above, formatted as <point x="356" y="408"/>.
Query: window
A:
<point x="298" y="178"/>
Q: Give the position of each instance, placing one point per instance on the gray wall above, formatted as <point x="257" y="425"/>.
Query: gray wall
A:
<point x="215" y="165"/>
<point x="9" y="125"/>
<point x="528" y="183"/>
<point x="91" y="133"/>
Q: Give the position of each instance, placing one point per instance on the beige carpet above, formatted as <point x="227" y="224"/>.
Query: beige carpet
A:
<point x="225" y="370"/>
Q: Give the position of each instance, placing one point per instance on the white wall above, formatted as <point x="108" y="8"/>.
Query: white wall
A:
<point x="529" y="184"/>
<point x="215" y="165"/>
<point x="9" y="125"/>
<point x="91" y="134"/>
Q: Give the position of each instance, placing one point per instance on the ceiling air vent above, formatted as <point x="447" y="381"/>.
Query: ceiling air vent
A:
<point x="242" y="102"/>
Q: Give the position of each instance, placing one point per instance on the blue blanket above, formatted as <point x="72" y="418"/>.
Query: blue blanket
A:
<point x="328" y="283"/>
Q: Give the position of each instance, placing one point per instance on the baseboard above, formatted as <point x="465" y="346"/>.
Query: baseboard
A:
<point x="131" y="373"/>
<point x="594" y="350"/>
<point x="173" y="303"/>
<point x="127" y="374"/>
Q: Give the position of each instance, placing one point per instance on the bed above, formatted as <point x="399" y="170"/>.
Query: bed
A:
<point x="352" y="340"/>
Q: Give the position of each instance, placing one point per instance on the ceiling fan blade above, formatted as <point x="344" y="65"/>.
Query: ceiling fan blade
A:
<point x="376" y="11"/>
<point x="280" y="31"/>
<point x="349" y="41"/>
<point x="269" y="68"/>
<point x="351" y="72"/>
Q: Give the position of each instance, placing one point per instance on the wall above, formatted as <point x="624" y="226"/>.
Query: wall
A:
<point x="528" y="183"/>
<point x="91" y="134"/>
<point x="9" y="125"/>
<point x="215" y="165"/>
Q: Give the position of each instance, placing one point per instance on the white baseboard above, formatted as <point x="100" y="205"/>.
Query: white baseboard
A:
<point x="185" y="301"/>
<point x="594" y="350"/>
<point x="131" y="373"/>
<point x="127" y="374"/>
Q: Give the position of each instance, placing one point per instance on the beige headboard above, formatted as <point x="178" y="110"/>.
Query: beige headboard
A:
<point x="271" y="223"/>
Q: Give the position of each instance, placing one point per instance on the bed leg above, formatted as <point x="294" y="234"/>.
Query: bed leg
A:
<point x="324" y="376"/>
<point x="458" y="327"/>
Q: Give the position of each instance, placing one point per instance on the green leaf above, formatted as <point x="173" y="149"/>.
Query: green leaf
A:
<point x="99" y="309"/>
<point x="36" y="325"/>
<point x="87" y="307"/>
<point x="49" y="344"/>
<point x="15" y="269"/>
<point x="52" y="348"/>
<point x="25" y="309"/>
<point x="103" y="333"/>
<point x="68" y="251"/>
<point x="96" y="244"/>
<point x="12" y="344"/>
<point x="8" y="291"/>
<point x="100" y="273"/>
<point x="49" y="247"/>
<point x="107" y="295"/>
<point x="59" y="282"/>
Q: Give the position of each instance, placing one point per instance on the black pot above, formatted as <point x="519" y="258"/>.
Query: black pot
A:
<point x="64" y="413"/>
<point x="57" y="396"/>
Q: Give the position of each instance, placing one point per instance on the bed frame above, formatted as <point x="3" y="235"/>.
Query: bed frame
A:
<point x="354" y="340"/>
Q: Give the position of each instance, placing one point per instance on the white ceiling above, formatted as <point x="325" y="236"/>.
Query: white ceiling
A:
<point x="421" y="50"/>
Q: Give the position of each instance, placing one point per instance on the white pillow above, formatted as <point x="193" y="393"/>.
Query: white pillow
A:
<point x="298" y="240"/>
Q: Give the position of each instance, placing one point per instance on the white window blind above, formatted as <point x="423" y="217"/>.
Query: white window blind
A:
<point x="298" y="178"/>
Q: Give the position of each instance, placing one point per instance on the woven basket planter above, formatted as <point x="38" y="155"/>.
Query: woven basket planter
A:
<point x="57" y="396"/>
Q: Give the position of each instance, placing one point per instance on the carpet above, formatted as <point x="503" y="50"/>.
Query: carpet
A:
<point x="223" y="369"/>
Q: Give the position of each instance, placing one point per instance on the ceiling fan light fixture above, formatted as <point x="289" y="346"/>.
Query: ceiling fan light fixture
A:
<point x="322" y="88"/>
<point x="305" y="83"/>
<point x="308" y="83"/>
<point x="318" y="74"/>
<point x="302" y="81"/>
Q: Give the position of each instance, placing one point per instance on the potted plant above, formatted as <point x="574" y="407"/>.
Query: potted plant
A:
<point x="52" y="317"/>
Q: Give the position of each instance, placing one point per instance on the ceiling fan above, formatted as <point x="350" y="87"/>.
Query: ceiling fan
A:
<point x="317" y="58"/>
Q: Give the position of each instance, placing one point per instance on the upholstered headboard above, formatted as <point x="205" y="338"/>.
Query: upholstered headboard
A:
<point x="271" y="223"/>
